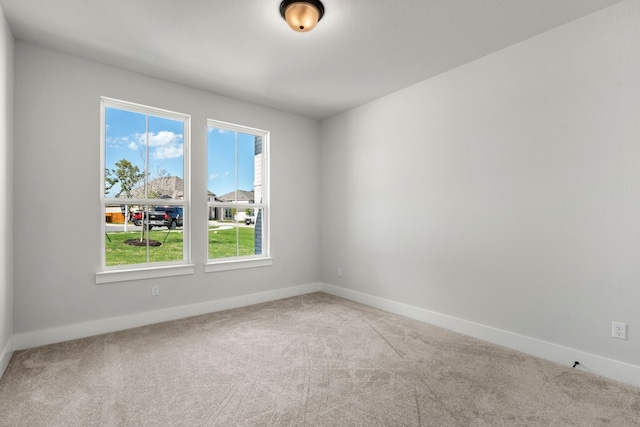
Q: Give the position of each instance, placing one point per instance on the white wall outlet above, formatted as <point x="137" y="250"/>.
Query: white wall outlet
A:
<point x="619" y="330"/>
<point x="155" y="290"/>
<point x="339" y="272"/>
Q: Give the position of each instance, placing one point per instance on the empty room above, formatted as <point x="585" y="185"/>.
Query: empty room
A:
<point x="320" y="213"/>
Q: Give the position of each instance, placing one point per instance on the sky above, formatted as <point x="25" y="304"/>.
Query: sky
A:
<point x="221" y="154"/>
<point x="127" y="137"/>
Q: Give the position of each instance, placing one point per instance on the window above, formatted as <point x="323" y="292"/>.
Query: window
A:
<point x="145" y="188"/>
<point x="238" y="196"/>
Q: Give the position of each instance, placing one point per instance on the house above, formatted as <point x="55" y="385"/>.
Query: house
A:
<point x="215" y="213"/>
<point x="166" y="187"/>
<point x="241" y="197"/>
<point x="518" y="168"/>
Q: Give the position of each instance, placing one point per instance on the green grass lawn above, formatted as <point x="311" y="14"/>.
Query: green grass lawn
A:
<point x="222" y="244"/>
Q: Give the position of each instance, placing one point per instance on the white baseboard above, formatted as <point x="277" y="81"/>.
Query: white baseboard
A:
<point x="598" y="365"/>
<point x="5" y="355"/>
<point x="97" y="327"/>
<point x="609" y="368"/>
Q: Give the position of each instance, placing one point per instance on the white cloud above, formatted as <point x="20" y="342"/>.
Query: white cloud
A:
<point x="159" y="139"/>
<point x="133" y="145"/>
<point x="217" y="175"/>
<point x="163" y="145"/>
<point x="164" y="138"/>
<point x="117" y="142"/>
<point x="168" y="152"/>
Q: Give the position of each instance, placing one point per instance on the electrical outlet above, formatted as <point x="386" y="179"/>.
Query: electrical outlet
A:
<point x="619" y="330"/>
<point x="339" y="272"/>
<point x="155" y="290"/>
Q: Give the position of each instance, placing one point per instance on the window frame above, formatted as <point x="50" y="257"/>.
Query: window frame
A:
<point x="247" y="261"/>
<point x="107" y="274"/>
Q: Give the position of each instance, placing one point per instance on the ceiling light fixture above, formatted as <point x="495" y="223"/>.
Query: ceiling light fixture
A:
<point x="302" y="16"/>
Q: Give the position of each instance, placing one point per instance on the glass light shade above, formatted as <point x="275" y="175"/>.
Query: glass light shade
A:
<point x="302" y="16"/>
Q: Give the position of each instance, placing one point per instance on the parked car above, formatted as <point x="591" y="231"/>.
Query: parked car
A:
<point x="161" y="216"/>
<point x="166" y="216"/>
<point x="250" y="219"/>
<point x="135" y="217"/>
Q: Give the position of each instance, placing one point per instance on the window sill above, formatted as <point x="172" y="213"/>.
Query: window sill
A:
<point x="110" y="276"/>
<point x="237" y="264"/>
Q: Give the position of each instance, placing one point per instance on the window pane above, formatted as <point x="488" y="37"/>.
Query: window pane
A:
<point x="144" y="156"/>
<point x="235" y="177"/>
<point x="124" y="165"/>
<point x="152" y="234"/>
<point x="221" y="169"/>
<point x="166" y="159"/>
<point x="237" y="237"/>
<point x="232" y="165"/>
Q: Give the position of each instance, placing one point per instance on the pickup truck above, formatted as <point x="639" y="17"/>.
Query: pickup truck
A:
<point x="162" y="216"/>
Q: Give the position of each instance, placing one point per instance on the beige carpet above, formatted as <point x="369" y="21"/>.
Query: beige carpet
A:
<point x="314" y="360"/>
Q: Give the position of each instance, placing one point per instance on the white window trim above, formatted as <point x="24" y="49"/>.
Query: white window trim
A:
<point x="119" y="273"/>
<point x="150" y="272"/>
<point x="237" y="264"/>
<point x="252" y="261"/>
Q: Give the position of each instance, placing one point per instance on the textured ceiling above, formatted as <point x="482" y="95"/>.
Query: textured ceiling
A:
<point x="361" y="49"/>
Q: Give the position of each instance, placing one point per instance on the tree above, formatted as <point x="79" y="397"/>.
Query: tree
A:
<point x="126" y="174"/>
<point x="109" y="181"/>
<point x="153" y="192"/>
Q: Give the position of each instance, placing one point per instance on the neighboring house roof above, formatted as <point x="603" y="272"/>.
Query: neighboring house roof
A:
<point x="212" y="197"/>
<point x="167" y="187"/>
<point x="243" y="196"/>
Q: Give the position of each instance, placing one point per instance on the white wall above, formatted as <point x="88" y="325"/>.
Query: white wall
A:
<point x="6" y="193"/>
<point x="521" y="176"/>
<point x="57" y="171"/>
